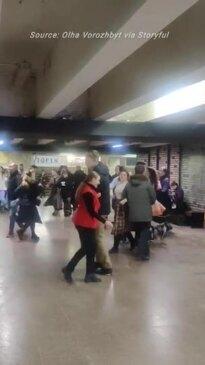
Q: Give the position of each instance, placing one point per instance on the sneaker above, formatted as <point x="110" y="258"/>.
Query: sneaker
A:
<point x="103" y="271"/>
<point x="114" y="250"/>
<point x="91" y="278"/>
<point x="20" y="234"/>
<point x="67" y="275"/>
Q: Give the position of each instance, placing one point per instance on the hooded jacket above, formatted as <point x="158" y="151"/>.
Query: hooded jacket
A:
<point x="104" y="188"/>
<point x="140" y="196"/>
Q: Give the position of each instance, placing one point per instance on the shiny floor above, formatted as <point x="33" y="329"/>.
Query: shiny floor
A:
<point x="147" y="313"/>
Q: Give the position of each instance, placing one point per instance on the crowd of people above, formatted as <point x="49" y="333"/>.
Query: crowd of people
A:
<point x="88" y="197"/>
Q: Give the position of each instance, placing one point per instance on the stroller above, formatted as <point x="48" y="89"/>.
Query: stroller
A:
<point x="161" y="229"/>
<point x="163" y="226"/>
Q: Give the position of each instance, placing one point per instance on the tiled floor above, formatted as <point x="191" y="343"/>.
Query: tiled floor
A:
<point x="146" y="314"/>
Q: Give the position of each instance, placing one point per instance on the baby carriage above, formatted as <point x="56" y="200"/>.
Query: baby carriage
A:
<point x="162" y="226"/>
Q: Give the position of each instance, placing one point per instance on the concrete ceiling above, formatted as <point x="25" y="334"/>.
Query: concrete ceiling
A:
<point x="154" y="70"/>
<point x="153" y="15"/>
<point x="84" y="77"/>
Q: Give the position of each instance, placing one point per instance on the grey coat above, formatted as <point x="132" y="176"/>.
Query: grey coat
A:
<point x="140" y="196"/>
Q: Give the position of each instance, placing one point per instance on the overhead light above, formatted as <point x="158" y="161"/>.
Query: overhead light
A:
<point x="117" y="146"/>
<point x="17" y="140"/>
<point x="45" y="141"/>
<point x="130" y="156"/>
<point x="182" y="99"/>
<point x="1" y="142"/>
<point x="179" y="100"/>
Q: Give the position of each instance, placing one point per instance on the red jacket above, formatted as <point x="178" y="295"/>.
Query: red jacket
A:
<point x="81" y="216"/>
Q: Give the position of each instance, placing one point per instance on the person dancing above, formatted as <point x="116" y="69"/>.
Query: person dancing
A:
<point x="87" y="220"/>
<point x="27" y="215"/>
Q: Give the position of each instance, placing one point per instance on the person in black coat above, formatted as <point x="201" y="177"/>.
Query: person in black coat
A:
<point x="65" y="184"/>
<point x="27" y="215"/>
<point x="54" y="198"/>
<point x="13" y="182"/>
<point x="104" y="188"/>
<point x="78" y="177"/>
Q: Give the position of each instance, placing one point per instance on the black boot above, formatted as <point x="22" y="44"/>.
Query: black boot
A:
<point x="20" y="233"/>
<point x="35" y="238"/>
<point x="67" y="275"/>
<point x="91" y="278"/>
<point x="131" y="240"/>
<point x="114" y="250"/>
<point x="115" y="247"/>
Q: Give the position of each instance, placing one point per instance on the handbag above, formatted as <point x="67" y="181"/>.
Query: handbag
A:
<point x="158" y="209"/>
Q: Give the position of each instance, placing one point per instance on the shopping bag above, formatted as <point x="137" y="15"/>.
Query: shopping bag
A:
<point x="158" y="209"/>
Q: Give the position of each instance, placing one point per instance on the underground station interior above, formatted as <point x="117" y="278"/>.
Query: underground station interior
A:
<point x="125" y="79"/>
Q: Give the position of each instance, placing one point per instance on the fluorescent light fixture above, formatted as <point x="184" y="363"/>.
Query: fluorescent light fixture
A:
<point x="117" y="146"/>
<point x="16" y="140"/>
<point x="130" y="156"/>
<point x="1" y="142"/>
<point x="181" y="99"/>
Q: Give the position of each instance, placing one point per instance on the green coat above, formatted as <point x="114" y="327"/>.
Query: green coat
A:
<point x="140" y="196"/>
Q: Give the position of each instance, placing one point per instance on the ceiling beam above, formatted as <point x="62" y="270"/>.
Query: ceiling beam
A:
<point x="152" y="16"/>
<point x="150" y="72"/>
<point x="176" y="127"/>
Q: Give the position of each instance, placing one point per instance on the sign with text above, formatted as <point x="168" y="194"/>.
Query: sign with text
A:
<point x="48" y="160"/>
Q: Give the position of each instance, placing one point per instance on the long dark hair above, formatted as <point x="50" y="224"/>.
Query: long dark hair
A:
<point x="91" y="175"/>
<point x="153" y="177"/>
<point x="165" y="176"/>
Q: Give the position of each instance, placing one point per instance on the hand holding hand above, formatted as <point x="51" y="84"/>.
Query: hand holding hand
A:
<point x="123" y="202"/>
<point x="108" y="225"/>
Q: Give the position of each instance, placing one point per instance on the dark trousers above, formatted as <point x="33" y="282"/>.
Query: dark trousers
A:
<point x="67" y="205"/>
<point x="143" y="235"/>
<point x="12" y="218"/>
<point x="30" y="224"/>
<point x="88" y="249"/>
<point x="119" y="237"/>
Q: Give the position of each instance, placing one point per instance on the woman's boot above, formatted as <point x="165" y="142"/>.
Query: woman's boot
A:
<point x="132" y="241"/>
<point x="67" y="275"/>
<point x="20" y="233"/>
<point x="115" y="247"/>
<point x="91" y="278"/>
